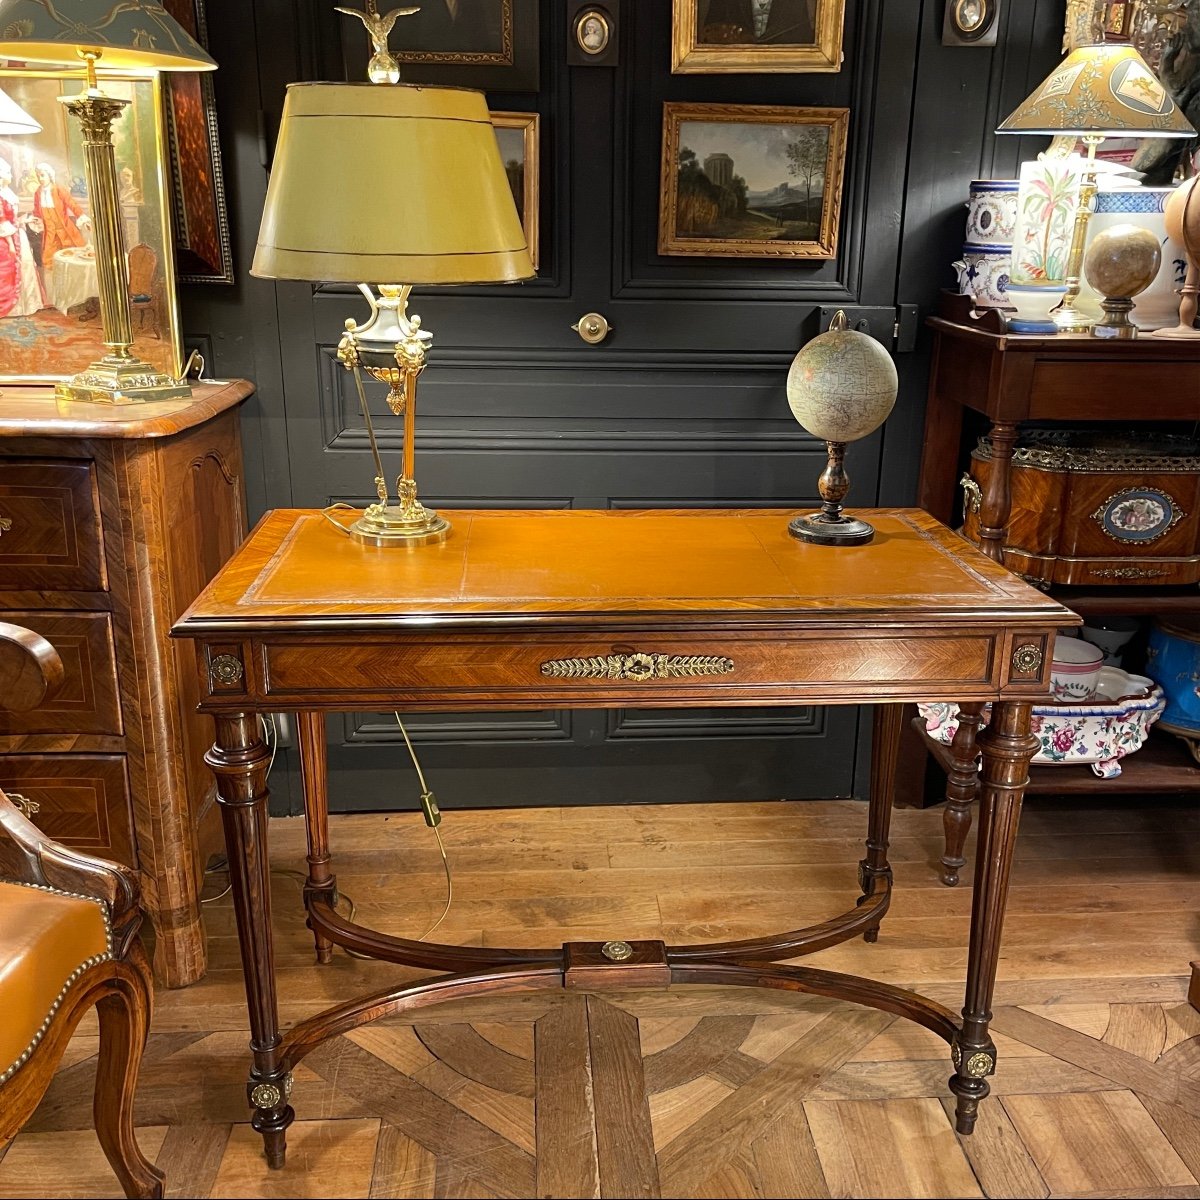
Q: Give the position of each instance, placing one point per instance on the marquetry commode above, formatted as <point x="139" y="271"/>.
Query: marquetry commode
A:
<point x="111" y="521"/>
<point x="529" y="610"/>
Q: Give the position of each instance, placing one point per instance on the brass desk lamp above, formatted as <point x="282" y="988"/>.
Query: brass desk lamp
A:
<point x="385" y="181"/>
<point x="130" y="35"/>
<point x="1096" y="92"/>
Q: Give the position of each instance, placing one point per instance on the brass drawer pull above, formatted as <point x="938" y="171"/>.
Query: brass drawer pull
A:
<point x="23" y="804"/>
<point x="5" y="524"/>
<point x="638" y="666"/>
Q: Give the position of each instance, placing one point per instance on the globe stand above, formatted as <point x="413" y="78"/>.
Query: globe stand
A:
<point x="831" y="527"/>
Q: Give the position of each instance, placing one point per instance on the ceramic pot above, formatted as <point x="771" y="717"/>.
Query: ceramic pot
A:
<point x="992" y="212"/>
<point x="1075" y="671"/>
<point x="1112" y="635"/>
<point x="983" y="273"/>
<point x="1173" y="659"/>
<point x="1099" y="733"/>
<point x="1032" y="303"/>
<point x="1158" y="306"/>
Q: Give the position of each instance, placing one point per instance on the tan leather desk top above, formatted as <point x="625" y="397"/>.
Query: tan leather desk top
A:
<point x="296" y="567"/>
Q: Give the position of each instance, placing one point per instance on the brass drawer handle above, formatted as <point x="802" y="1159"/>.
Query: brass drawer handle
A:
<point x="638" y="666"/>
<point x="23" y="804"/>
<point x="593" y="328"/>
<point x="5" y="524"/>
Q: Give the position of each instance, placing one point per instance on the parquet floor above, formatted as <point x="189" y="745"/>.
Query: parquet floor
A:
<point x="693" y="1092"/>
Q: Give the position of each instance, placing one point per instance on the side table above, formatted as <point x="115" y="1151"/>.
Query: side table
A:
<point x="1008" y="379"/>
<point x="112" y="519"/>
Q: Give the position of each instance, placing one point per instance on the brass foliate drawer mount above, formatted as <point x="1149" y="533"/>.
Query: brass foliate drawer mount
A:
<point x="638" y="666"/>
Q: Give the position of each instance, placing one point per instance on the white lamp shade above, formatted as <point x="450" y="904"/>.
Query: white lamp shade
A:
<point x="14" y="119"/>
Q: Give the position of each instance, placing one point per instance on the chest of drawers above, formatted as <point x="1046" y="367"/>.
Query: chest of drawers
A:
<point x="111" y="522"/>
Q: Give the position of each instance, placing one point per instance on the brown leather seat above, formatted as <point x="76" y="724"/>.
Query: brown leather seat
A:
<point x="69" y="944"/>
<point x="47" y="939"/>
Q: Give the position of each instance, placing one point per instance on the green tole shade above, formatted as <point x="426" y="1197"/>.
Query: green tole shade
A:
<point x="131" y="35"/>
<point x="1105" y="90"/>
<point x="389" y="183"/>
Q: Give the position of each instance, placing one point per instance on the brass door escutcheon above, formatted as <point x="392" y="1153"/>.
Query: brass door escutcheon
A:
<point x="593" y="328"/>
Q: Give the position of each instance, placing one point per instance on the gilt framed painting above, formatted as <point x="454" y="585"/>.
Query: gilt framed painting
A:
<point x="752" y="181"/>
<point x="50" y="326"/>
<point x="487" y="44"/>
<point x="203" y="245"/>
<point x="517" y="135"/>
<point x="722" y="36"/>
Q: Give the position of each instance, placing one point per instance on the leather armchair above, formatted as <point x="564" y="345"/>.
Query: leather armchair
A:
<point x="69" y="939"/>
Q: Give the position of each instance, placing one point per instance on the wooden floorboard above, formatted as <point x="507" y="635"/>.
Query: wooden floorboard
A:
<point x="690" y="1092"/>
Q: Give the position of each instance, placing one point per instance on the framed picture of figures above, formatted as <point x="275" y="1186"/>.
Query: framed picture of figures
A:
<point x="752" y="181"/>
<point x="517" y="134"/>
<point x="712" y="37"/>
<point x="487" y="44"/>
<point x="49" y="295"/>
<point x="203" y="246"/>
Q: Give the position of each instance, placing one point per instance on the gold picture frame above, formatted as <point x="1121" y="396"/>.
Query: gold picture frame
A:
<point x="730" y="196"/>
<point x="713" y="37"/>
<point x="523" y="172"/>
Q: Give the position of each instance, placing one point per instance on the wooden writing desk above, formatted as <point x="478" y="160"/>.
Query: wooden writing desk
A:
<point x="531" y="610"/>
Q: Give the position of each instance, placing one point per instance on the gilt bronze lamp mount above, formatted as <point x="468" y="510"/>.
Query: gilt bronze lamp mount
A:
<point x="392" y="348"/>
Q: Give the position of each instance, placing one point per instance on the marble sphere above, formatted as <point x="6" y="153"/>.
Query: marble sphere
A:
<point x="1123" y="260"/>
<point x="842" y="385"/>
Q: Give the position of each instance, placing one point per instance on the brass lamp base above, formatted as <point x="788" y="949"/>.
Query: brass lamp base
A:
<point x="1070" y="320"/>
<point x="392" y="525"/>
<point x="122" y="380"/>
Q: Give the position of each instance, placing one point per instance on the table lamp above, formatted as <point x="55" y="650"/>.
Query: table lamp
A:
<point x="126" y="35"/>
<point x="1096" y="92"/>
<point x="382" y="181"/>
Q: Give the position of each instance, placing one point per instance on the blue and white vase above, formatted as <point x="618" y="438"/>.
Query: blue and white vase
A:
<point x="992" y="212"/>
<point x="983" y="274"/>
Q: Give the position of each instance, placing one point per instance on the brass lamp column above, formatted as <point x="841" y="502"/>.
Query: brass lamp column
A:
<point x="128" y="36"/>
<point x="1096" y="92"/>
<point x="119" y="377"/>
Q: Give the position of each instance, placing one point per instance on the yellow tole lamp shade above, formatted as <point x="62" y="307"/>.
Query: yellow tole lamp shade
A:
<point x="130" y="35"/>
<point x="389" y="183"/>
<point x="1103" y="91"/>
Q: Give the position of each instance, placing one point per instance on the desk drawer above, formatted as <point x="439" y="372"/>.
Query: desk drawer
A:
<point x="719" y="669"/>
<point x="81" y="800"/>
<point x="50" y="535"/>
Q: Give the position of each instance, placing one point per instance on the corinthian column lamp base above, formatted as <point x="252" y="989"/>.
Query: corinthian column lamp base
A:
<point x="122" y="380"/>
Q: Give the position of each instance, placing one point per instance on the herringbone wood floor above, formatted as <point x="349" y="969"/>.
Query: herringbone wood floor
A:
<point x="693" y="1092"/>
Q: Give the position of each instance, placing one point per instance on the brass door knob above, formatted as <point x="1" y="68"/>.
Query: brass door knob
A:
<point x="593" y="328"/>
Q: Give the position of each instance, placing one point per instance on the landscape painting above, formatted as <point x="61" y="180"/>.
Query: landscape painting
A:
<point x="751" y="180"/>
<point x="50" y="325"/>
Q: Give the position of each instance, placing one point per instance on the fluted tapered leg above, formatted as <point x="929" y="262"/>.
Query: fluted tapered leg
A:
<point x="1007" y="747"/>
<point x="240" y="761"/>
<point x="313" y="768"/>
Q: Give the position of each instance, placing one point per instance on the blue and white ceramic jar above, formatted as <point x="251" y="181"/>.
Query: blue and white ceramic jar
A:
<point x="992" y="212"/>
<point x="983" y="274"/>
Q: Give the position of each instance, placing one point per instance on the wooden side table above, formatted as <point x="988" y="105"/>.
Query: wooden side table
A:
<point x="112" y="519"/>
<point x="607" y="609"/>
<point x="1011" y="378"/>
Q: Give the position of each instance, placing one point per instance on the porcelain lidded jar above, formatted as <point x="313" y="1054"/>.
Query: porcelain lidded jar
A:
<point x="992" y="212"/>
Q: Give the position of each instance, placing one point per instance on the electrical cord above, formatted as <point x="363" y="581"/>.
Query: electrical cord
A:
<point x="429" y="810"/>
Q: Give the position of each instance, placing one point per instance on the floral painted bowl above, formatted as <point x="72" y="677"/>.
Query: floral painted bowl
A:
<point x="1100" y="732"/>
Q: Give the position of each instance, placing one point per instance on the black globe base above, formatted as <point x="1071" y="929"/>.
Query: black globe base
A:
<point x="826" y="531"/>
